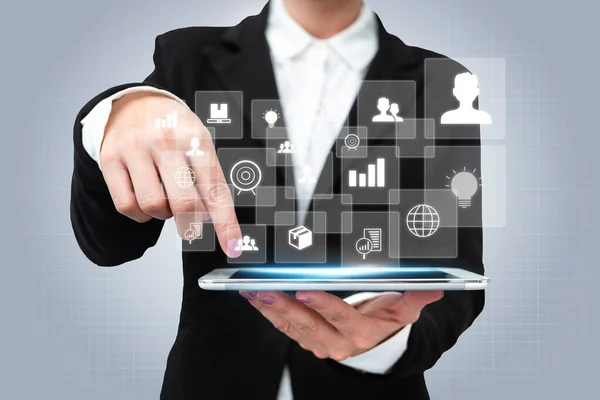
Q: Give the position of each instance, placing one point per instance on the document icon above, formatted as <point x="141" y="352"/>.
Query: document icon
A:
<point x="374" y="235"/>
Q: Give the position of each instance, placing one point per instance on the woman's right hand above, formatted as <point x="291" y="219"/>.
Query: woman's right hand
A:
<point x="138" y="157"/>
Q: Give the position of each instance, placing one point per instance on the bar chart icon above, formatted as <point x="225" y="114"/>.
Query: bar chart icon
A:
<point x="374" y="177"/>
<point x="169" y="122"/>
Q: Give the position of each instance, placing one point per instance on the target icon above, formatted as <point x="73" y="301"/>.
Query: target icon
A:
<point x="245" y="176"/>
<point x="352" y="141"/>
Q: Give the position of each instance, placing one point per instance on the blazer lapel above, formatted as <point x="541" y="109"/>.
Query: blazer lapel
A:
<point x="243" y="63"/>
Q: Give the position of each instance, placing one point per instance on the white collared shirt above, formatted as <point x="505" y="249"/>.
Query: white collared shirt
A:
<point x="317" y="81"/>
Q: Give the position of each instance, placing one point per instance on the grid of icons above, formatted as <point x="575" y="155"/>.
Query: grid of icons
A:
<point x="389" y="161"/>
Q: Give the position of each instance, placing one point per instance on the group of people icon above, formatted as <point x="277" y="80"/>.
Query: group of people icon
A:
<point x="286" y="148"/>
<point x="384" y="106"/>
<point x="246" y="244"/>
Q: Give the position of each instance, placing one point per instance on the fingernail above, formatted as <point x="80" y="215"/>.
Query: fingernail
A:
<point x="303" y="299"/>
<point x="268" y="300"/>
<point x="233" y="249"/>
<point x="248" y="295"/>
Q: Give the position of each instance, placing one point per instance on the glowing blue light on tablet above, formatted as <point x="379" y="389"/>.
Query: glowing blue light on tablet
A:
<point x="333" y="271"/>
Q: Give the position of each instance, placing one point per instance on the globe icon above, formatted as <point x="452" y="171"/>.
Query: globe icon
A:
<point x="185" y="177"/>
<point x="422" y="220"/>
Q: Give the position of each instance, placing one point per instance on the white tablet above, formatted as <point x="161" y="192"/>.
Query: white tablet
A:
<point x="343" y="279"/>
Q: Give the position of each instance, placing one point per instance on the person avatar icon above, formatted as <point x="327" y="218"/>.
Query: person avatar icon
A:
<point x="195" y="151"/>
<point x="394" y="110"/>
<point x="286" y="148"/>
<point x="466" y="90"/>
<point x="246" y="244"/>
<point x="307" y="175"/>
<point x="383" y="105"/>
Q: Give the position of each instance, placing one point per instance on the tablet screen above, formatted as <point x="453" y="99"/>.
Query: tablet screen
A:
<point x="340" y="273"/>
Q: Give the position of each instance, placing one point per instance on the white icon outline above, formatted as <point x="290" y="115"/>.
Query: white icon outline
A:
<point x="464" y="185"/>
<point x="369" y="242"/>
<point x="219" y="114"/>
<point x="307" y="175"/>
<point x="254" y="169"/>
<point x="384" y="106"/>
<point x="422" y="232"/>
<point x="466" y="90"/>
<point x="374" y="177"/>
<point x="185" y="172"/>
<point x="300" y="237"/>
<point x="195" y="148"/>
<point x="352" y="141"/>
<point x="271" y="117"/>
<point x="286" y="147"/>
<point x="246" y="243"/>
<point x="195" y="232"/>
<point x="169" y="122"/>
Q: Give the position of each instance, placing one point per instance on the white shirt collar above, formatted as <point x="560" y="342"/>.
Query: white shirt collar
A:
<point x="356" y="45"/>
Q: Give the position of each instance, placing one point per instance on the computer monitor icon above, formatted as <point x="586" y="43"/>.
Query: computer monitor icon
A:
<point x="219" y="114"/>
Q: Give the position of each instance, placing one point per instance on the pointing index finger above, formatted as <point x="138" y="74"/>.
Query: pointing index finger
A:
<point x="214" y="191"/>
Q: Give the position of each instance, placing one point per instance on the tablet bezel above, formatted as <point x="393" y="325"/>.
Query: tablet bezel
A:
<point x="220" y="279"/>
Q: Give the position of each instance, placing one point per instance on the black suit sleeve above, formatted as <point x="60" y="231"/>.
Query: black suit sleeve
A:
<point x="104" y="235"/>
<point x="442" y="322"/>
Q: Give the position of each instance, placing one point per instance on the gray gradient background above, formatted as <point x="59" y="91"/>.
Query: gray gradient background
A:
<point x="71" y="330"/>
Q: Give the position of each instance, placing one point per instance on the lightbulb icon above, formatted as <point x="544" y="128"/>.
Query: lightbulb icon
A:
<point x="271" y="117"/>
<point x="464" y="185"/>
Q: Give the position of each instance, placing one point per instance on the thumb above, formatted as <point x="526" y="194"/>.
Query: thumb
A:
<point x="410" y="301"/>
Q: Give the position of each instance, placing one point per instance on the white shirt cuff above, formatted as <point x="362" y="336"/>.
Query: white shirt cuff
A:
<point x="381" y="358"/>
<point x="94" y="124"/>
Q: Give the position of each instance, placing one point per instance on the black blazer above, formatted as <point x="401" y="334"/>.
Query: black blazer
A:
<point x="224" y="348"/>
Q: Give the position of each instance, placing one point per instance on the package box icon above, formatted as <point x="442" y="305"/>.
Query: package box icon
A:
<point x="300" y="237"/>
